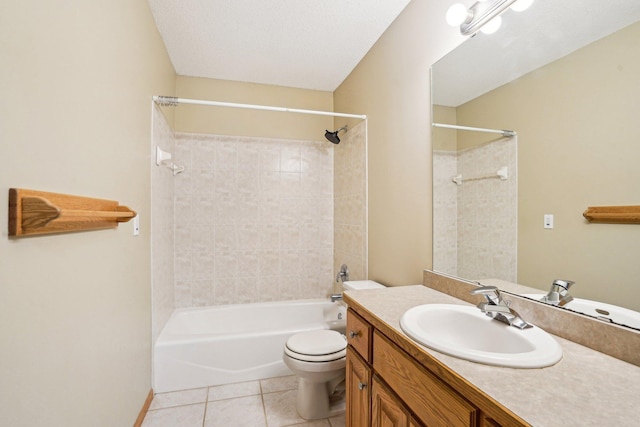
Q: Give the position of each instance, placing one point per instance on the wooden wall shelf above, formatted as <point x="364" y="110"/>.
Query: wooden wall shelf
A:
<point x="38" y="212"/>
<point x="613" y="214"/>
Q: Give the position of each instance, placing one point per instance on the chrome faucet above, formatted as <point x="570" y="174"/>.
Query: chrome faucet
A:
<point x="559" y="293"/>
<point x="497" y="308"/>
<point x="343" y="274"/>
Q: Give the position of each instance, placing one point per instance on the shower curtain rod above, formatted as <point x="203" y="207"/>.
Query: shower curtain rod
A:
<point x="173" y="101"/>
<point x="503" y="132"/>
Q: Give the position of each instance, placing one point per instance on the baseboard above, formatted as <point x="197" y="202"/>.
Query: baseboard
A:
<point x="145" y="408"/>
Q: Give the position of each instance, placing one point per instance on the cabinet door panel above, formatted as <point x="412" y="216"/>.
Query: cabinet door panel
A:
<point x="435" y="403"/>
<point x="358" y="391"/>
<point x="388" y="411"/>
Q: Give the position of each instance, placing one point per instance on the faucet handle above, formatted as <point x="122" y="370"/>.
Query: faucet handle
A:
<point x="497" y="308"/>
<point x="343" y="274"/>
<point x="566" y="284"/>
<point x="491" y="293"/>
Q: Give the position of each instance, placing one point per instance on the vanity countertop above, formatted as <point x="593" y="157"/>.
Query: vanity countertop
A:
<point x="586" y="388"/>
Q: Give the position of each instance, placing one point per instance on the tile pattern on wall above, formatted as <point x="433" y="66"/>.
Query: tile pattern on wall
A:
<point x="350" y="204"/>
<point x="162" y="241"/>
<point x="445" y="212"/>
<point x="253" y="220"/>
<point x="475" y="224"/>
<point x="488" y="212"/>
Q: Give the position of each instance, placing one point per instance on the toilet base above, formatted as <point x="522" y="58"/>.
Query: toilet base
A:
<point x="313" y="401"/>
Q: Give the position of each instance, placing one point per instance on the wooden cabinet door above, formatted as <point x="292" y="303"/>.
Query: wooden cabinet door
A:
<point x="432" y="401"/>
<point x="358" y="391"/>
<point x="387" y="410"/>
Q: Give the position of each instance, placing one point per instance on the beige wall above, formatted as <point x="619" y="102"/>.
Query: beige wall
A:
<point x="574" y="153"/>
<point x="77" y="80"/>
<point x="392" y="86"/>
<point x="243" y="122"/>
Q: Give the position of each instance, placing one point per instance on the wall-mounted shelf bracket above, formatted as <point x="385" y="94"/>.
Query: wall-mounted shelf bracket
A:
<point x="613" y="214"/>
<point x="38" y="212"/>
<point x="163" y="158"/>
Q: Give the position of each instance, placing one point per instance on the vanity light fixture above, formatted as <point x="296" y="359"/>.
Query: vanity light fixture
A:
<point x="483" y="15"/>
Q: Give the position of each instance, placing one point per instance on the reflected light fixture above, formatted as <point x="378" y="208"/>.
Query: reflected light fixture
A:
<point x="484" y="14"/>
<point x="492" y="26"/>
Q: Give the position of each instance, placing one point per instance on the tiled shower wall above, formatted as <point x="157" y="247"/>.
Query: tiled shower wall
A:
<point x="162" y="241"/>
<point x="350" y="207"/>
<point x="253" y="220"/>
<point x="485" y="232"/>
<point x="445" y="212"/>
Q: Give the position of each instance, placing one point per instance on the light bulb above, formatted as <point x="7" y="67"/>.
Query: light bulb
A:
<point x="492" y="26"/>
<point x="521" y="5"/>
<point x="457" y="14"/>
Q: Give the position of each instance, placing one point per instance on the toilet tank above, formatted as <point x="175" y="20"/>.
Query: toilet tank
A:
<point x="356" y="285"/>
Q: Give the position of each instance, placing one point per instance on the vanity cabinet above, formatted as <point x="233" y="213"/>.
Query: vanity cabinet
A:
<point x="387" y="387"/>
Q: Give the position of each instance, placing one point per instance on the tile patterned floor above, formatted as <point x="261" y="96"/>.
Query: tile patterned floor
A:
<point x="263" y="403"/>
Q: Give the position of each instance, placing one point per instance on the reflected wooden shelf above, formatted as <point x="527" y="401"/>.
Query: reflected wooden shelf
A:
<point x="613" y="214"/>
<point x="38" y="212"/>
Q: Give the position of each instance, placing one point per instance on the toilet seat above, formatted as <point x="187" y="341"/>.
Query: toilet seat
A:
<point x="317" y="346"/>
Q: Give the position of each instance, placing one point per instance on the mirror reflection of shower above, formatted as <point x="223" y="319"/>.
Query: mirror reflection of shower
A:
<point x="475" y="201"/>
<point x="333" y="136"/>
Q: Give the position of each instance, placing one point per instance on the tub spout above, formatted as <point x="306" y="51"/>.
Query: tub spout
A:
<point x="336" y="297"/>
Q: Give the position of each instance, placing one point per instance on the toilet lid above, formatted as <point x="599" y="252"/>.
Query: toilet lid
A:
<point x="317" y="346"/>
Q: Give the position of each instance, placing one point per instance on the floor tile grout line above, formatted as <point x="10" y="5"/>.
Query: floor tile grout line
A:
<point x="177" y="406"/>
<point x="206" y="405"/>
<point x="264" y="407"/>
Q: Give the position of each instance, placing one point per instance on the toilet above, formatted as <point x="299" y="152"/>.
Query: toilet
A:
<point x="318" y="358"/>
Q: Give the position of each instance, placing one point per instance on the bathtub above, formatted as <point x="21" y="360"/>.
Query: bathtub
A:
<point x="201" y="347"/>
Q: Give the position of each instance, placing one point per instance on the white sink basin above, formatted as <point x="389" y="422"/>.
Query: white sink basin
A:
<point x="467" y="333"/>
<point x="601" y="310"/>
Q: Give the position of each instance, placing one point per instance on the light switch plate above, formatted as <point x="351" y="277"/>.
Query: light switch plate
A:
<point x="548" y="221"/>
<point x="136" y="225"/>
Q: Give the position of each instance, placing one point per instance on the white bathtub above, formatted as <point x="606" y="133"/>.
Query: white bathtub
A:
<point x="201" y="347"/>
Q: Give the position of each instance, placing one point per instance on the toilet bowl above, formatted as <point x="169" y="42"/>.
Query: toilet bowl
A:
<point x="318" y="359"/>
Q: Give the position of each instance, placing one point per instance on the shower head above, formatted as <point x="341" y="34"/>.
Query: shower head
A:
<point x="333" y="136"/>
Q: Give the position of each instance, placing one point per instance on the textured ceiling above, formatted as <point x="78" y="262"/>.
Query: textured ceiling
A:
<point x="311" y="44"/>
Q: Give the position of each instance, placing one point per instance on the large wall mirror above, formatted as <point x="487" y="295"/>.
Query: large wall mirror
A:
<point x="565" y="76"/>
